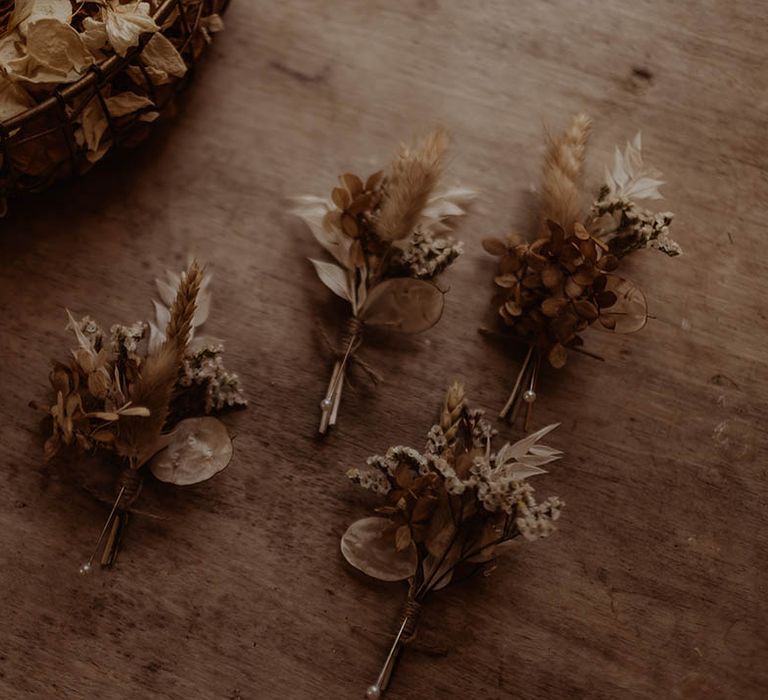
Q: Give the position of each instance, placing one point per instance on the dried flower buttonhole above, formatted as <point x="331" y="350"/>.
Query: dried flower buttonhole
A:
<point x="562" y="283"/>
<point x="390" y="237"/>
<point x="143" y="393"/>
<point x="449" y="512"/>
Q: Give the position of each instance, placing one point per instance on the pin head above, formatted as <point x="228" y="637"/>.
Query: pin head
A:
<point x="326" y="404"/>
<point x="373" y="692"/>
<point x="529" y="396"/>
<point x="85" y="569"/>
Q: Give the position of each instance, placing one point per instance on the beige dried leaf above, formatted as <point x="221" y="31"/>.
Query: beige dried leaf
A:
<point x="162" y="60"/>
<point x="14" y="99"/>
<point x="198" y="449"/>
<point x="28" y="11"/>
<point x="124" y="24"/>
<point x="54" y="53"/>
<point x="369" y="545"/>
<point x="403" y="304"/>
<point x="333" y="277"/>
<point x="316" y="212"/>
<point x="127" y="103"/>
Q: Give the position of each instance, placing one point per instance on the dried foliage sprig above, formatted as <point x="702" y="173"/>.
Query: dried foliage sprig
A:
<point x="141" y="398"/>
<point x="449" y="511"/>
<point x="390" y="237"/>
<point x="554" y="288"/>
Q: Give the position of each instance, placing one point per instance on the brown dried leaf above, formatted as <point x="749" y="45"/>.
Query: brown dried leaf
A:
<point x="361" y="203"/>
<point x="606" y="299"/>
<point x="349" y="225"/>
<point x="584" y="275"/>
<point x="552" y="306"/>
<point x="586" y="309"/>
<point x="341" y="197"/>
<point x="552" y="276"/>
<point x="353" y="184"/>
<point x="536" y="262"/>
<point x="573" y="289"/>
<point x="557" y="235"/>
<point x="509" y="263"/>
<point x="506" y="281"/>
<point x="373" y="180"/>
<point x="531" y="280"/>
<point x="403" y="538"/>
<point x="588" y="249"/>
<point x="558" y="356"/>
<point x="494" y="246"/>
<point x="608" y="263"/>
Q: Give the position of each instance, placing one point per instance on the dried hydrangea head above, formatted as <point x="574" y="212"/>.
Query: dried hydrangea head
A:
<point x="553" y="289"/>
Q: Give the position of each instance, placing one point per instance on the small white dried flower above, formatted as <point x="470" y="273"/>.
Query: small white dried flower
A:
<point x="428" y="254"/>
<point x="538" y="520"/>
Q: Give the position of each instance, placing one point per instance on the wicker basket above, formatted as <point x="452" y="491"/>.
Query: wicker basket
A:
<point x="39" y="145"/>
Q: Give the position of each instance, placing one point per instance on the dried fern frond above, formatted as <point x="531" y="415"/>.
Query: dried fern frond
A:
<point x="412" y="178"/>
<point x="561" y="198"/>
<point x="159" y="372"/>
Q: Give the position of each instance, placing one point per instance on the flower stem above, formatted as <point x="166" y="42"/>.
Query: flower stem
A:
<point x="512" y="400"/>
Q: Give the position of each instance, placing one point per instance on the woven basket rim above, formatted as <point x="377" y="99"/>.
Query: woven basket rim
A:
<point x="96" y="73"/>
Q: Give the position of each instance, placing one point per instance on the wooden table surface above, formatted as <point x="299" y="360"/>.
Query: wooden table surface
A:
<point x="655" y="585"/>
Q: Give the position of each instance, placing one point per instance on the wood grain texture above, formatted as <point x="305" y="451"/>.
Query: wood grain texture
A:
<point x="655" y="586"/>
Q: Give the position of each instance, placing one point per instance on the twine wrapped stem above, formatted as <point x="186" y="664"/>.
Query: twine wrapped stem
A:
<point x="405" y="635"/>
<point x="128" y="488"/>
<point x="351" y="341"/>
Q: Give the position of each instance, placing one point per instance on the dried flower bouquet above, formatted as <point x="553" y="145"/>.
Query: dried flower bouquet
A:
<point x="554" y="288"/>
<point x="390" y="237"/>
<point x="449" y="511"/>
<point x="143" y="393"/>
